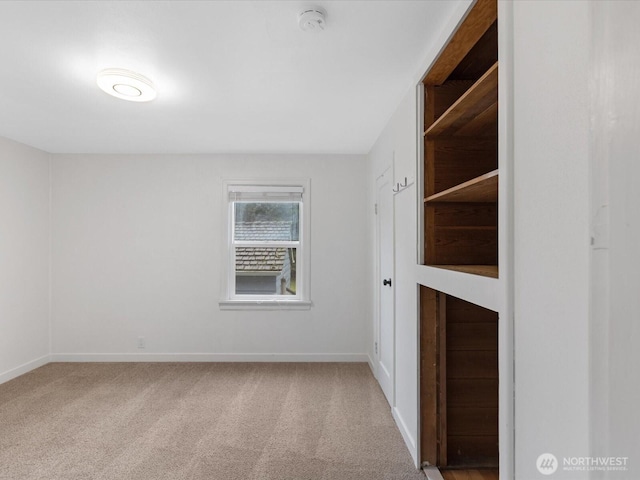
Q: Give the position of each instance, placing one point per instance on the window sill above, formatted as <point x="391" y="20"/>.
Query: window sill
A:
<point x="265" y="305"/>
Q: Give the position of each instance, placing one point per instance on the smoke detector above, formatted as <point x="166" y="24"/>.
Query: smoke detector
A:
<point x="312" y="19"/>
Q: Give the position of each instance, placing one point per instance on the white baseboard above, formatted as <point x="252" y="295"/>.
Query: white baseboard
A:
<point x="372" y="365"/>
<point x="24" y="368"/>
<point x="406" y="435"/>
<point x="183" y="357"/>
<point x="209" y="357"/>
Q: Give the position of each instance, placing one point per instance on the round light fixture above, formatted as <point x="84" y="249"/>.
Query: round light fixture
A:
<point x="312" y="19"/>
<point x="126" y="85"/>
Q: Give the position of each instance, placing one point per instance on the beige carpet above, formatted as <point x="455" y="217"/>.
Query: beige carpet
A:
<point x="227" y="421"/>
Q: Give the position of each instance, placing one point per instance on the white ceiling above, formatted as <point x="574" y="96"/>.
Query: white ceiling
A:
<point x="232" y="76"/>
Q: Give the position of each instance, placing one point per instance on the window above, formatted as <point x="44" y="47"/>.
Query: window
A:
<point x="266" y="246"/>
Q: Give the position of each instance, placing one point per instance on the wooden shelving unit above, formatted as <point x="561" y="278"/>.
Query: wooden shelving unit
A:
<point x="461" y="149"/>
<point x="459" y="339"/>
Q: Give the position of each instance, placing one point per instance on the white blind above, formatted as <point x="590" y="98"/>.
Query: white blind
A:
<point x="265" y="193"/>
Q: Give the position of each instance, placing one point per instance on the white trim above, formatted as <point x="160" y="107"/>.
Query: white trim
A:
<point x="372" y="366"/>
<point x="210" y="357"/>
<point x="185" y="357"/>
<point x="24" y="368"/>
<point x="265" y="305"/>
<point x="406" y="435"/>
<point x="420" y="173"/>
<point x="483" y="291"/>
<point x="50" y="262"/>
<point x="432" y="473"/>
<point x="385" y="371"/>
<point x="506" y="340"/>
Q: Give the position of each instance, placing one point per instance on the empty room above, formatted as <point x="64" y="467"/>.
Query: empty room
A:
<point x="331" y="240"/>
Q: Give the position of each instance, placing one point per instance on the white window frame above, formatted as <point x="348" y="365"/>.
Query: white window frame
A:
<point x="232" y="301"/>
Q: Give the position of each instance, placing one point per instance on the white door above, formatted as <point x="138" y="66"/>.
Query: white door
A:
<point x="386" y="285"/>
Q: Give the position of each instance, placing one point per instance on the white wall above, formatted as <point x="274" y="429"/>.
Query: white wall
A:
<point x="398" y="141"/>
<point x="24" y="258"/>
<point x="550" y="168"/>
<point x="615" y="329"/>
<point x="137" y="251"/>
<point x="551" y="230"/>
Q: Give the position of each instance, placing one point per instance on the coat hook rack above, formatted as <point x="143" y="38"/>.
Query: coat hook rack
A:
<point x="402" y="186"/>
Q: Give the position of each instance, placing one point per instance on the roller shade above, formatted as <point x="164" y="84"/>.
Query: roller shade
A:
<point x="258" y="193"/>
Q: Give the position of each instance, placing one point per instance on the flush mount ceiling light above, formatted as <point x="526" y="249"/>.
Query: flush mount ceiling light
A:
<point x="312" y="19"/>
<point x="126" y="85"/>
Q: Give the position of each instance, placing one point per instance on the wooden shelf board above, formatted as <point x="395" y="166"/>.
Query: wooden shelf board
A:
<point x="470" y="106"/>
<point x="482" y="189"/>
<point x="477" y="22"/>
<point x="484" y="270"/>
<point x="484" y="124"/>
